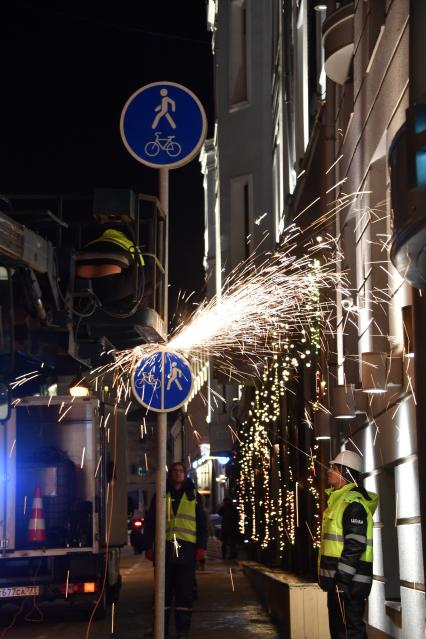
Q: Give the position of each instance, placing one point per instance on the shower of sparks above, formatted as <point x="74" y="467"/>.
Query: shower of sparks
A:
<point x="146" y="462"/>
<point x="98" y="464"/>
<point x="351" y="476"/>
<point x="82" y="456"/>
<point x="310" y="532"/>
<point x="64" y="413"/>
<point x="334" y="164"/>
<point x="412" y="390"/>
<point x="67" y="584"/>
<point x="112" y="618"/>
<point x="358" y="449"/>
<point x="273" y="299"/>
<point x="308" y="420"/>
<point x="234" y="433"/>
<point x="376" y="433"/>
<point x="176" y="545"/>
<point x="23" y="379"/>
<point x="312" y="462"/>
<point x="297" y="503"/>
<point x="232" y="580"/>
<point x="342" y="606"/>
<point x="12" y="448"/>
<point x="266" y="299"/>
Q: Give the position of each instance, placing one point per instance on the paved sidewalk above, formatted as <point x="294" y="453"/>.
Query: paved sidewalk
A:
<point x="226" y="605"/>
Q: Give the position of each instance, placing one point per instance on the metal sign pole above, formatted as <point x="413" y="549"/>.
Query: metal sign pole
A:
<point x="184" y="129"/>
<point x="160" y="528"/>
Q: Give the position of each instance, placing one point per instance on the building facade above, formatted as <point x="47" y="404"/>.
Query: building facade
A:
<point x="311" y="100"/>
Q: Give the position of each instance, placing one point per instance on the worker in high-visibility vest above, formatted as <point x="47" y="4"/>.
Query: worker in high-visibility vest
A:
<point x="345" y="562"/>
<point x="186" y="541"/>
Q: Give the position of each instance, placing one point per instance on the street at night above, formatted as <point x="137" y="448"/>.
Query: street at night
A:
<point x="212" y="311"/>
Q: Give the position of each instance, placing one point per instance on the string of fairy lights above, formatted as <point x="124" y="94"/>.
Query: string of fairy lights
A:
<point x="271" y="517"/>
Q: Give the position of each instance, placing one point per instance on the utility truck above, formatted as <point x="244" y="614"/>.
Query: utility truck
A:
<point x="63" y="501"/>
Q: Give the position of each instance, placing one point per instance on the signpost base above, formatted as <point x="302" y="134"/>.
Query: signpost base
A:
<point x="160" y="529"/>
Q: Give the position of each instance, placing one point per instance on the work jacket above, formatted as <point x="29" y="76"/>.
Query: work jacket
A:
<point x="185" y="502"/>
<point x="346" y="552"/>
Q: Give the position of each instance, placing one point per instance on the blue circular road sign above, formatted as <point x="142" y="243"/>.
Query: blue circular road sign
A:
<point x="162" y="381"/>
<point x="163" y="125"/>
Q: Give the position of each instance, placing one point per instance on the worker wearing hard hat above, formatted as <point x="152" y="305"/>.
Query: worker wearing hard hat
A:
<point x="346" y="554"/>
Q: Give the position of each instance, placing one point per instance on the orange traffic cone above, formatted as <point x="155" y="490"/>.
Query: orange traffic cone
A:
<point x="37" y="527"/>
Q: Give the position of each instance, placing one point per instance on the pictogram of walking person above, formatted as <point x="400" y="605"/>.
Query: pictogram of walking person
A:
<point x="162" y="110"/>
<point x="173" y="376"/>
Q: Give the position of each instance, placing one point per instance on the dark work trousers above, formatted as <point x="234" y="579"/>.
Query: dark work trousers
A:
<point x="179" y="587"/>
<point x="230" y="540"/>
<point x="345" y="617"/>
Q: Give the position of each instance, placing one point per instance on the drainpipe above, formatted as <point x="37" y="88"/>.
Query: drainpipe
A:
<point x="328" y="360"/>
<point x="417" y="79"/>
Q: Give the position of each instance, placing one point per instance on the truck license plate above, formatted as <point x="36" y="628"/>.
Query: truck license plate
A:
<point x="20" y="591"/>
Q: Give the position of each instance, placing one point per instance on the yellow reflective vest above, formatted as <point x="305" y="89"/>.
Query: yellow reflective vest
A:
<point x="183" y="525"/>
<point x="334" y="537"/>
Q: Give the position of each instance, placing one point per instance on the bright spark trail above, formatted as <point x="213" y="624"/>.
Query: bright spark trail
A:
<point x="261" y="303"/>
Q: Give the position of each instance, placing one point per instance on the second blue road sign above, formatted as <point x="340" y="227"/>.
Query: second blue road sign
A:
<point x="162" y="382"/>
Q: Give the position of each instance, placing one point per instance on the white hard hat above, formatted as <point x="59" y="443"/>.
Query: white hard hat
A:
<point x="350" y="459"/>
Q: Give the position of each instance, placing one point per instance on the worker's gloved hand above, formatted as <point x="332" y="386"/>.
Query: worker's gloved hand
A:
<point x="200" y="554"/>
<point x="149" y="554"/>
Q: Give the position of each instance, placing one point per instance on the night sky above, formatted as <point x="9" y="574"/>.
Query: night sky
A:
<point x="66" y="70"/>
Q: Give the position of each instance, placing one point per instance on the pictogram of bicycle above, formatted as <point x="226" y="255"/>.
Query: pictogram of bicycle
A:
<point x="147" y="378"/>
<point x="171" y="147"/>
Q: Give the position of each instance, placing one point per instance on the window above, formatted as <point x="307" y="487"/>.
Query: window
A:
<point x="241" y="211"/>
<point x="278" y="195"/>
<point x="238" y="86"/>
<point x="376" y="18"/>
<point x="386" y="486"/>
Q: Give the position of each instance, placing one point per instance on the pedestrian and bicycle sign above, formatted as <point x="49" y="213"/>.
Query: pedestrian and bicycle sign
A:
<point x="163" y="125"/>
<point x="162" y="382"/>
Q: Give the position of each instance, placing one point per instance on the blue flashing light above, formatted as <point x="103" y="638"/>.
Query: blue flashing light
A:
<point x="419" y="127"/>
<point x="421" y="167"/>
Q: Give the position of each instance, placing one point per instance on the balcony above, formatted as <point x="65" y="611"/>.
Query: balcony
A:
<point x="338" y="41"/>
